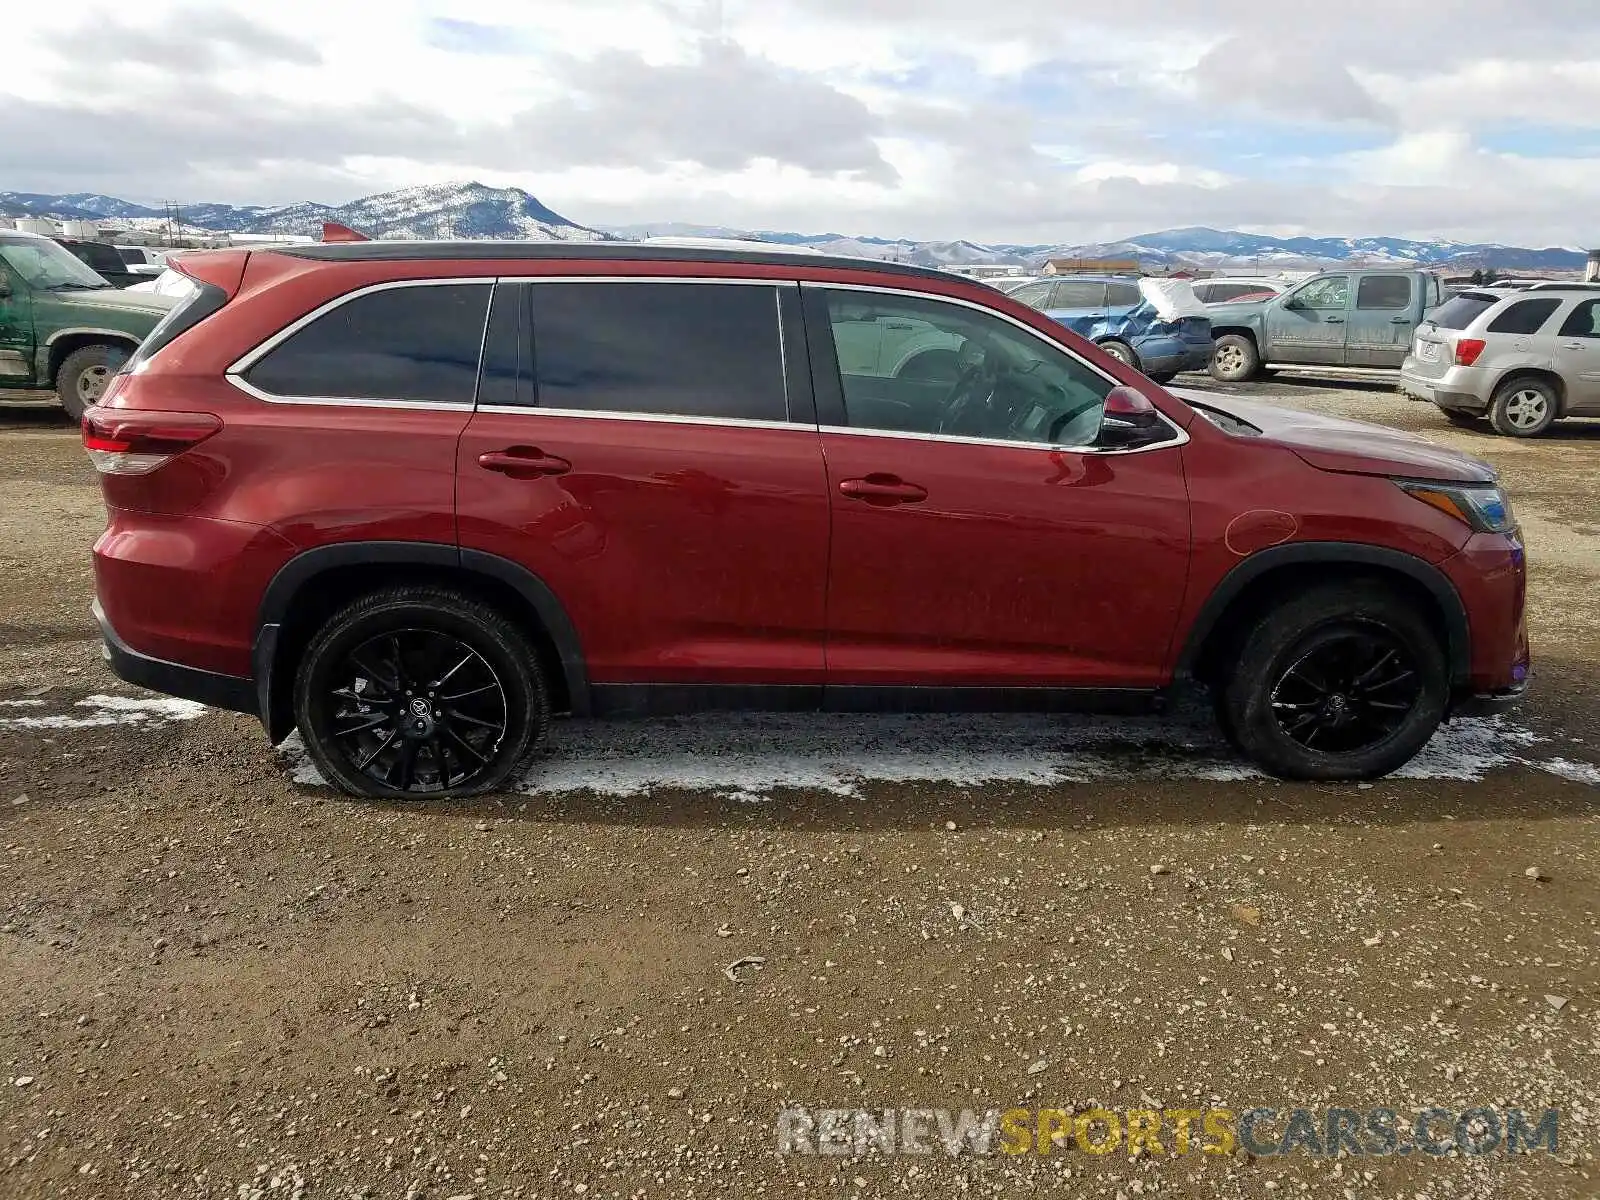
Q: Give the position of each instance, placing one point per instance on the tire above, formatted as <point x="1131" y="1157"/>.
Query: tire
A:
<point x="1277" y="711"/>
<point x="1164" y="378"/>
<point x="423" y="629"/>
<point x="1235" y="359"/>
<point x="1462" y="418"/>
<point x="1122" y="352"/>
<point x="1524" y="407"/>
<point x="82" y="377"/>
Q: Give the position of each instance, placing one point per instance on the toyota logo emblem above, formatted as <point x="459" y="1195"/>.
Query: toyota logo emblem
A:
<point x="419" y="707"/>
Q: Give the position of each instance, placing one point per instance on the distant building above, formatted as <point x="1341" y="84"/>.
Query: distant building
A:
<point x="1591" y="271"/>
<point x="1093" y="266"/>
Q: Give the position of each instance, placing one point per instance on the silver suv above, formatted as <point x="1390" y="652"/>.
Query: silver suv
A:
<point x="1522" y="358"/>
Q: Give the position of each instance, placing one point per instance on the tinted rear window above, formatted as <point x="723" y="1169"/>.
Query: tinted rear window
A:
<point x="1525" y="316"/>
<point x="1384" y="291"/>
<point x="1460" y="311"/>
<point x="672" y="349"/>
<point x="416" y="343"/>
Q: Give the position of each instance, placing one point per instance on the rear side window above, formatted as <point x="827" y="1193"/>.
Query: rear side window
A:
<point x="416" y="343"/>
<point x="1525" y="316"/>
<point x="1384" y="291"/>
<point x="670" y="349"/>
<point x="1460" y="311"/>
<point x="1079" y="295"/>
<point x="1122" y="295"/>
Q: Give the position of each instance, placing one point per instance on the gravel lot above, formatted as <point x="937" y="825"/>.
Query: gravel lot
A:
<point x="224" y="980"/>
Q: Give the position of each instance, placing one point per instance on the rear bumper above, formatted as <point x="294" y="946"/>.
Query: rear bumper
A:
<point x="173" y="679"/>
<point x="1445" y="392"/>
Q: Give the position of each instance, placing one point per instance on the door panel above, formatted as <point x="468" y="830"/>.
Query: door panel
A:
<point x="1382" y="320"/>
<point x="1314" y="329"/>
<point x="1021" y="567"/>
<point x="684" y="553"/>
<point x="1577" y="357"/>
<point x="16" y="333"/>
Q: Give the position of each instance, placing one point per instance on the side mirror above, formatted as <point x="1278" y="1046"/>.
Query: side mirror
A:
<point x="1130" y="421"/>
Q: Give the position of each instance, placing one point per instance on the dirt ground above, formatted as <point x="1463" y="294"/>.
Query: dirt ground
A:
<point x="222" y="980"/>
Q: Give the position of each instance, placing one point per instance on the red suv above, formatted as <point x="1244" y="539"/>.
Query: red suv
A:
<point x="416" y="498"/>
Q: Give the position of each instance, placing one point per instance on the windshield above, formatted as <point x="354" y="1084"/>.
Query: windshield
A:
<point x="47" y="266"/>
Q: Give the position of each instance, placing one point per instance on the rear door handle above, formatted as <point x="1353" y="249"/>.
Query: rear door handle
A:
<point x="883" y="490"/>
<point x="1335" y="320"/>
<point x="1573" y="346"/>
<point x="1400" y="320"/>
<point x="523" y="462"/>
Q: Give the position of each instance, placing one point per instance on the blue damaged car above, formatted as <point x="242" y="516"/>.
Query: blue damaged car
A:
<point x="1157" y="326"/>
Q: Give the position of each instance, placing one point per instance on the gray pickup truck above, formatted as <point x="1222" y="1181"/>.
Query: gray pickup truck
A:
<point x="1363" y="318"/>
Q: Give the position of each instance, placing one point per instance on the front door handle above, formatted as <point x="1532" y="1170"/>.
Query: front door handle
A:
<point x="1400" y="320"/>
<point x="1335" y="320"/>
<point x="1573" y="346"/>
<point x="883" y="490"/>
<point x="523" y="462"/>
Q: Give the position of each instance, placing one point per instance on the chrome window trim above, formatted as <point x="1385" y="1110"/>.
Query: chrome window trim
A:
<point x="235" y="372"/>
<point x="527" y="410"/>
<point x="1180" y="436"/>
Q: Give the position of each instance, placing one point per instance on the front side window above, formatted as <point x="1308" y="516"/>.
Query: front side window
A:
<point x="414" y="343"/>
<point x="1384" y="291"/>
<point x="1034" y="295"/>
<point x="1583" y="321"/>
<point x="44" y="265"/>
<point x="1332" y="293"/>
<point x="964" y="373"/>
<point x="670" y="349"/>
<point x="1525" y="316"/>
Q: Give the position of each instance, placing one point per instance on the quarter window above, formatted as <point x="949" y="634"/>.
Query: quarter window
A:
<point x="1384" y="291"/>
<point x="672" y="349"/>
<point x="1525" y="316"/>
<point x="946" y="369"/>
<point x="416" y="343"/>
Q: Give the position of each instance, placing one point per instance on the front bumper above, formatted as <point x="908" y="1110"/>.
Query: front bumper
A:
<point x="173" y="679"/>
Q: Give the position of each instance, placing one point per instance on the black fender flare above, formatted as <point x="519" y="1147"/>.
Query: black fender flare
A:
<point x="1458" y="634"/>
<point x="303" y="569"/>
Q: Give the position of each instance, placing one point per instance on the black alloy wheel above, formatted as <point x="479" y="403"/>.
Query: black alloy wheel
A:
<point x="418" y="710"/>
<point x="1350" y="689"/>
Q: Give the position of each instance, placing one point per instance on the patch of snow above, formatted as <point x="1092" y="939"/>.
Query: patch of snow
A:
<point x="21" y="703"/>
<point x="113" y="710"/>
<point x="744" y="757"/>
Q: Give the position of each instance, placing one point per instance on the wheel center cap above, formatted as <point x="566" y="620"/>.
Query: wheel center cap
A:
<point x="419" y="717"/>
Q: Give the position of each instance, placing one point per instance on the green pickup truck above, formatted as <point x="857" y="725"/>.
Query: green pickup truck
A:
<point x="1363" y="318"/>
<point x="64" y="329"/>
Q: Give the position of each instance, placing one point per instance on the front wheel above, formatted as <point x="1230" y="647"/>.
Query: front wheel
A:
<point x="83" y="376"/>
<point x="1122" y="352"/>
<point x="419" y="693"/>
<point x="1346" y="681"/>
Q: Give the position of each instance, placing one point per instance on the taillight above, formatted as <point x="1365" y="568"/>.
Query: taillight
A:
<point x="1467" y="351"/>
<point x="130" y="441"/>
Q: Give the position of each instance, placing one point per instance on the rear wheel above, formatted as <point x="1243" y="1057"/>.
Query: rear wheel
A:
<point x="83" y="375"/>
<point x="417" y="693"/>
<point x="1164" y="377"/>
<point x="1235" y="359"/>
<point x="1346" y="681"/>
<point x="1524" y="408"/>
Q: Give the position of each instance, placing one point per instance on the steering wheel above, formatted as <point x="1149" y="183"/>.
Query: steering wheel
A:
<point x="975" y="384"/>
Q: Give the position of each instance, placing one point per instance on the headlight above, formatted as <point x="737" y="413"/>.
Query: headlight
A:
<point x="1482" y="506"/>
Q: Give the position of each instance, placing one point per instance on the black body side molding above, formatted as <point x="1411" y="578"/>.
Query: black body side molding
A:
<point x="1458" y="649"/>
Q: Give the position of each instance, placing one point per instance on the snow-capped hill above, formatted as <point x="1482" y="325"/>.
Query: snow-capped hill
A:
<point x="449" y="211"/>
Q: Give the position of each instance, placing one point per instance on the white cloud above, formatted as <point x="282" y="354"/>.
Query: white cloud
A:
<point x="1021" y="120"/>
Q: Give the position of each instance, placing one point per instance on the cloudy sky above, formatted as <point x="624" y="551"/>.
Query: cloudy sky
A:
<point x="1015" y="120"/>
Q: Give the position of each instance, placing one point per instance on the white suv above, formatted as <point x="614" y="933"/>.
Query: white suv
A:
<point x="1522" y="358"/>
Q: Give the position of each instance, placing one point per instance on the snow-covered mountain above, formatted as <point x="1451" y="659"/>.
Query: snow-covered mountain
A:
<point x="473" y="210"/>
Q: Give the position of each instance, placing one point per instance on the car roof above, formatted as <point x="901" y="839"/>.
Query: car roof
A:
<point x="492" y="251"/>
